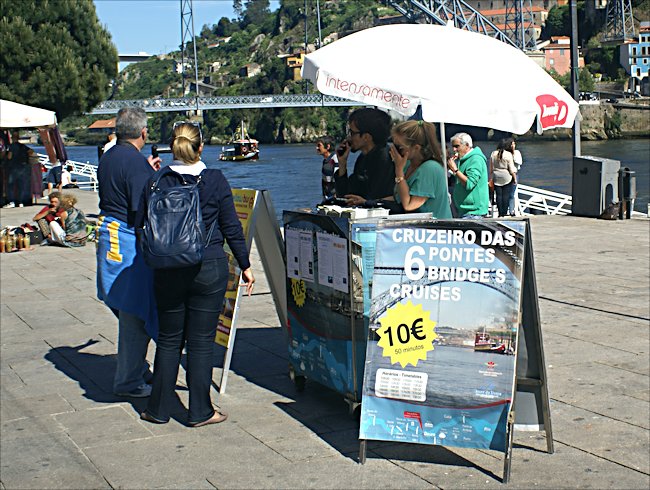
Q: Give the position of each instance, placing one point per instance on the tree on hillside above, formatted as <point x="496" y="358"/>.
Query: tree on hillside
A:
<point x="256" y="12"/>
<point x="55" y="55"/>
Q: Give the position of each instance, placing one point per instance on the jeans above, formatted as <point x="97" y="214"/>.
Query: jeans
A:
<point x="503" y="193"/>
<point x="189" y="301"/>
<point x="132" y="345"/>
<point x="511" y="202"/>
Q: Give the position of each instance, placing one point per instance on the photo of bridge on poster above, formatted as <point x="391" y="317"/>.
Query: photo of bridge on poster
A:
<point x="445" y="326"/>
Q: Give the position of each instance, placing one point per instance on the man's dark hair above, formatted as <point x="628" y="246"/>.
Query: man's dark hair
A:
<point x="328" y="142"/>
<point x="374" y="122"/>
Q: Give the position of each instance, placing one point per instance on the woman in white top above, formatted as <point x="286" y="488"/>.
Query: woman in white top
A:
<point x="516" y="155"/>
<point x="504" y="174"/>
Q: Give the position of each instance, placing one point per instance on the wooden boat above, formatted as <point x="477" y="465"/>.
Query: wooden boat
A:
<point x="241" y="147"/>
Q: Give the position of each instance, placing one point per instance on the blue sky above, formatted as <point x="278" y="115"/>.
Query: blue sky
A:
<point x="154" y="26"/>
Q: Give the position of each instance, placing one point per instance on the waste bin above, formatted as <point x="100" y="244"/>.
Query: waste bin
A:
<point x="594" y="185"/>
<point x="626" y="192"/>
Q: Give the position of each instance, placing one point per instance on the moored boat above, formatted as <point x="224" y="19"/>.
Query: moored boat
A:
<point x="241" y="147"/>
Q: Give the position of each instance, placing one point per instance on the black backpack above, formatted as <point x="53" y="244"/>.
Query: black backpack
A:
<point x="174" y="233"/>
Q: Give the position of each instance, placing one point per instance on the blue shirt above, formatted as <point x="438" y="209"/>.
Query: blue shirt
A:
<point x="122" y="174"/>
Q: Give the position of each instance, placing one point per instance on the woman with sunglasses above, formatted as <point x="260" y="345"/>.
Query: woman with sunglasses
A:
<point x="189" y="299"/>
<point x="420" y="177"/>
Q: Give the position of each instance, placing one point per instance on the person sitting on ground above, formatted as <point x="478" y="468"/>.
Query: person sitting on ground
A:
<point x="75" y="234"/>
<point x="420" y="176"/>
<point x="374" y="173"/>
<point x="325" y="148"/>
<point x="67" y="182"/>
<point x="51" y="219"/>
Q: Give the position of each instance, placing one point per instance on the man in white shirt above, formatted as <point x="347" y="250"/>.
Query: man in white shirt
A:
<point x="112" y="140"/>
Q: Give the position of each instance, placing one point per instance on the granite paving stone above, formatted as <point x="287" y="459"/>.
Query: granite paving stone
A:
<point x="61" y="426"/>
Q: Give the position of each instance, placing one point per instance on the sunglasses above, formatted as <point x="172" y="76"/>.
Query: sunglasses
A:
<point x="196" y="124"/>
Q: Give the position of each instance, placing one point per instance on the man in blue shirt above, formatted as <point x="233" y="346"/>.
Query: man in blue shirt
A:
<point x="124" y="282"/>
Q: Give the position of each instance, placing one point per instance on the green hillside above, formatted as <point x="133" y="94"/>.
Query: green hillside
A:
<point x="259" y="41"/>
<point x="257" y="37"/>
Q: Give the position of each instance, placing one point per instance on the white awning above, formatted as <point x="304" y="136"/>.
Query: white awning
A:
<point x="14" y="115"/>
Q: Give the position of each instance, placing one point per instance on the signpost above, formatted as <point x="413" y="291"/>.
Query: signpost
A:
<point x="445" y="334"/>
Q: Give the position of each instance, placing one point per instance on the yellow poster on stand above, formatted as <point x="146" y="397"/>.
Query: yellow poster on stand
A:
<point x="244" y="206"/>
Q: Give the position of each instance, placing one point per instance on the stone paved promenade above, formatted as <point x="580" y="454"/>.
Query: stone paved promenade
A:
<point x="63" y="428"/>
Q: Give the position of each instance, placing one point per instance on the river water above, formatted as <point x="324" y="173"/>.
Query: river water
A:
<point x="292" y="172"/>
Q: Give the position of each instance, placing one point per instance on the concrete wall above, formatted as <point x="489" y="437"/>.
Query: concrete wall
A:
<point x="607" y="121"/>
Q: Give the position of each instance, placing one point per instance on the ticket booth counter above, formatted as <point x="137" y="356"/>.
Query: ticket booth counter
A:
<point x="330" y="261"/>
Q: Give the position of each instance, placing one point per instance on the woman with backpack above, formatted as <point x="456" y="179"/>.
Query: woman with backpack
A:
<point x="190" y="298"/>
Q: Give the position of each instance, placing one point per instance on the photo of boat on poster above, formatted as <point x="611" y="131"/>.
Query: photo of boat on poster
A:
<point x="441" y="351"/>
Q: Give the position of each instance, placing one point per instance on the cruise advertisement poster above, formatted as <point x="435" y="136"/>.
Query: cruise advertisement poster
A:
<point x="441" y="351"/>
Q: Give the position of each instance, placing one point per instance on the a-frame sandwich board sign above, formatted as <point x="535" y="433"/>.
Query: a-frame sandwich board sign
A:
<point x="448" y="309"/>
<point x="256" y="213"/>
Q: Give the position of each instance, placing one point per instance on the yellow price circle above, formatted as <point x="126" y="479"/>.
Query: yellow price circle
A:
<point x="298" y="291"/>
<point x="406" y="334"/>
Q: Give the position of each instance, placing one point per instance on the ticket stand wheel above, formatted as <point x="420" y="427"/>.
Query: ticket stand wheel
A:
<point x="298" y="380"/>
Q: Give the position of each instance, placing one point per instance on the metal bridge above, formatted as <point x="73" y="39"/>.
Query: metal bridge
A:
<point x="462" y="15"/>
<point x="225" y="102"/>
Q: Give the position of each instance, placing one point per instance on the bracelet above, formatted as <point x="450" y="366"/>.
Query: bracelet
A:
<point x="398" y="179"/>
<point x="456" y="171"/>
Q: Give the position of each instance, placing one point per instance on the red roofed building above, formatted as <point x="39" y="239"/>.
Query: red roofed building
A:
<point x="557" y="55"/>
<point x="103" y="125"/>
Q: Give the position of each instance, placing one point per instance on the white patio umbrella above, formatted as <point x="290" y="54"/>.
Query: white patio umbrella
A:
<point x="14" y="115"/>
<point x="457" y="76"/>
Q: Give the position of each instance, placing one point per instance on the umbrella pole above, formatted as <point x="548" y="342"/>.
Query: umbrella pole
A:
<point x="443" y="143"/>
<point x="575" y="89"/>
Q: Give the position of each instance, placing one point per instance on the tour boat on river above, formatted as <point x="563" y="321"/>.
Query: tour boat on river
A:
<point x="241" y="147"/>
<point x="483" y="343"/>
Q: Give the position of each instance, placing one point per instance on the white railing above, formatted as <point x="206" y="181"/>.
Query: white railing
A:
<point x="87" y="172"/>
<point x="533" y="200"/>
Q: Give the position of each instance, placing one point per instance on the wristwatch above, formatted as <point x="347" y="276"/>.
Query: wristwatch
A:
<point x="398" y="179"/>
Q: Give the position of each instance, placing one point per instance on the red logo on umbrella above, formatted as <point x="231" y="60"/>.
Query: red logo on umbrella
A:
<point x="553" y="111"/>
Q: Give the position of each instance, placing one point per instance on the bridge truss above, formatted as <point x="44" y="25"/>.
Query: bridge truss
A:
<point x="225" y="102"/>
<point x="619" y="24"/>
<point x="518" y="31"/>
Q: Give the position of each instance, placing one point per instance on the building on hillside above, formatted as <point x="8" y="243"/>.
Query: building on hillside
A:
<point x="294" y="63"/>
<point x="204" y="88"/>
<point x="178" y="66"/>
<point x="501" y="4"/>
<point x="557" y="55"/>
<point x="250" y="70"/>
<point x="103" y="126"/>
<point x="635" y="56"/>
